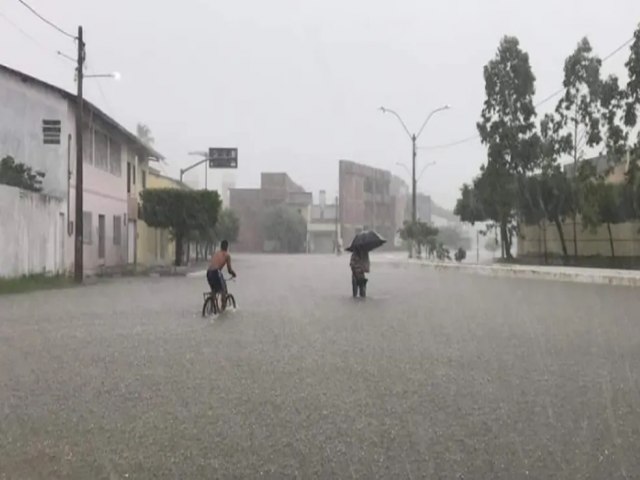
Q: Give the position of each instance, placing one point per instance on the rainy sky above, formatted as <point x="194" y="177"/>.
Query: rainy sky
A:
<point x="296" y="84"/>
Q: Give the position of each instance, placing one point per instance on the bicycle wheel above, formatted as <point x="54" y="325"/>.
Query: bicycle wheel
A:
<point x="231" y="301"/>
<point x="208" y="307"/>
<point x="216" y="304"/>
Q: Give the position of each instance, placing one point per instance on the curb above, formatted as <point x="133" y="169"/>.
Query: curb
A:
<point x="627" y="278"/>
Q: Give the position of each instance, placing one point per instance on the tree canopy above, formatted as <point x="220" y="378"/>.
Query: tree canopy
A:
<point x="143" y="132"/>
<point x="287" y="228"/>
<point x="182" y="212"/>
<point x="523" y="180"/>
<point x="507" y="128"/>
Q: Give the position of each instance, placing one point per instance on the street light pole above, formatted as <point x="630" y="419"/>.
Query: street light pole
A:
<point x="414" y="138"/>
<point x="414" y="203"/>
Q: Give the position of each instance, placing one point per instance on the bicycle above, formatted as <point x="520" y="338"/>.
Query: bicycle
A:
<point x="211" y="305"/>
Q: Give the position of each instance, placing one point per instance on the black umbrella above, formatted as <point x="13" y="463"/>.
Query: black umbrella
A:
<point x="366" y="241"/>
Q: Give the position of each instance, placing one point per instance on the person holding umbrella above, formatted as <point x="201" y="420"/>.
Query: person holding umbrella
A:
<point x="360" y="247"/>
<point x="360" y="265"/>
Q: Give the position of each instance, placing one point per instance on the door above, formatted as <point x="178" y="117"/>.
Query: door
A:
<point x="101" y="236"/>
<point x="62" y="232"/>
<point x="131" y="241"/>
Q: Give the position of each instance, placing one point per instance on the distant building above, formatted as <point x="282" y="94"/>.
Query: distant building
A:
<point x="323" y="227"/>
<point x="228" y="182"/>
<point x="370" y="199"/>
<point x="251" y="204"/>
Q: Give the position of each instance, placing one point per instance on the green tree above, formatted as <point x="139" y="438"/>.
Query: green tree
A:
<point x="602" y="205"/>
<point x="227" y="227"/>
<point x="19" y="175"/>
<point x="633" y="85"/>
<point x="423" y="234"/>
<point x="507" y="128"/>
<point x="183" y="212"/>
<point x="578" y="112"/>
<point x="144" y="134"/>
<point x="549" y="190"/>
<point x="468" y="207"/>
<point x="287" y="228"/>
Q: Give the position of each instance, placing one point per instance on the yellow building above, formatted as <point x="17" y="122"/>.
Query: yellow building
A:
<point x="155" y="247"/>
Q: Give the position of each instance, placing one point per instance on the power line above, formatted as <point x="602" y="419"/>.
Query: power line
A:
<point x="628" y="42"/>
<point x="538" y="104"/>
<point x="23" y="32"/>
<point x="27" y="35"/>
<point x="451" y="144"/>
<point x="48" y="22"/>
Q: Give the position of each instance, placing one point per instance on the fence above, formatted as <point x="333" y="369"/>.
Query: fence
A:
<point x="535" y="240"/>
<point x="32" y="233"/>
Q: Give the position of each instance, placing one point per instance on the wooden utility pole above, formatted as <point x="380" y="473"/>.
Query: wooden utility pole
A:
<point x="79" y="242"/>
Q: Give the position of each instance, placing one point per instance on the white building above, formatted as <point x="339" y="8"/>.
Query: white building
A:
<point x="37" y="128"/>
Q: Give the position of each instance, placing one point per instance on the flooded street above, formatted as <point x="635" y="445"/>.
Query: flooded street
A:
<point x="436" y="375"/>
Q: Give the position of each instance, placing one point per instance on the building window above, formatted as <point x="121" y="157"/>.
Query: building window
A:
<point x="87" y="227"/>
<point x="128" y="177"/>
<point x="87" y="145"/>
<point x="115" y="158"/>
<point x="102" y="233"/>
<point x="117" y="230"/>
<point x="143" y="174"/>
<point x="51" y="132"/>
<point x="101" y="147"/>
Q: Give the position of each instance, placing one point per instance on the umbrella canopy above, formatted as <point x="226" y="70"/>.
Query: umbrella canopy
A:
<point x="366" y="241"/>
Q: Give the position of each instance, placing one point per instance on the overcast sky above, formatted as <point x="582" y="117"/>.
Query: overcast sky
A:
<point x="295" y="84"/>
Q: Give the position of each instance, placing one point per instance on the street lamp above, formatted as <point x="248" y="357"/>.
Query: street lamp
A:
<point x="406" y="169"/>
<point x="115" y="75"/>
<point x="205" y="159"/>
<point x="414" y="138"/>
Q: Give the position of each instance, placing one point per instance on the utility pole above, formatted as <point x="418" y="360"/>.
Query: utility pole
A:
<point x="336" y="242"/>
<point x="414" y="203"/>
<point x="79" y="241"/>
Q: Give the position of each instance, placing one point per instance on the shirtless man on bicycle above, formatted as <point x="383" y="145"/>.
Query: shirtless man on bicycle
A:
<point x="215" y="278"/>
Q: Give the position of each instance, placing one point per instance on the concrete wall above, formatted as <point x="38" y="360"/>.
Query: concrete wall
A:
<point x="626" y="243"/>
<point x="155" y="246"/>
<point x="23" y="107"/>
<point x="32" y="233"/>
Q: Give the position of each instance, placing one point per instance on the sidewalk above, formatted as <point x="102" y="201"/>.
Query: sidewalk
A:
<point x="629" y="278"/>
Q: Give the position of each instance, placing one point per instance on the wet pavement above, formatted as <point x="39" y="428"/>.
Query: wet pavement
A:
<point x="438" y="374"/>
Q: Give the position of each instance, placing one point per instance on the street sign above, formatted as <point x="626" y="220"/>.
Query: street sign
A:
<point x="223" y="158"/>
